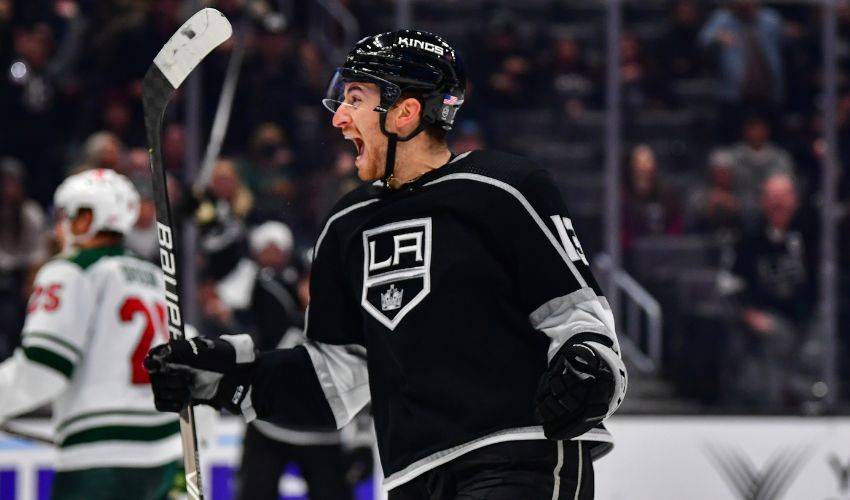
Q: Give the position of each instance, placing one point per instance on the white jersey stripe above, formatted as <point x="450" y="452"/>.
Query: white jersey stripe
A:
<point x="524" y="202"/>
<point x="343" y="375"/>
<point x="336" y="216"/>
<point x="119" y="454"/>
<point x="556" y="490"/>
<point x="597" y="435"/>
<point x="580" y="464"/>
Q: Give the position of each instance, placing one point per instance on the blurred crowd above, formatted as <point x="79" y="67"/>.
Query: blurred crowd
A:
<point x="722" y="125"/>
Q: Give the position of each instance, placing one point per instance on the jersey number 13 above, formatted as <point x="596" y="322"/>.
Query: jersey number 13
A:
<point x="569" y="239"/>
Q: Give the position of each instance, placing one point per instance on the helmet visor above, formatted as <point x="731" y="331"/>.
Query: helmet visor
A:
<point x="341" y="90"/>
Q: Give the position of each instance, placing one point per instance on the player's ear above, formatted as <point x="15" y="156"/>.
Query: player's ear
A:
<point x="408" y="115"/>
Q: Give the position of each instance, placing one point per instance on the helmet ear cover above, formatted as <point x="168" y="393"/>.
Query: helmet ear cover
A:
<point x="436" y="110"/>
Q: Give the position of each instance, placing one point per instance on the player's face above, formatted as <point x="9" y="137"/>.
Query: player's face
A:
<point x="358" y="121"/>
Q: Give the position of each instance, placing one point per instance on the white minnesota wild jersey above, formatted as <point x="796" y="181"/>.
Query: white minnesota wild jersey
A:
<point x="93" y="317"/>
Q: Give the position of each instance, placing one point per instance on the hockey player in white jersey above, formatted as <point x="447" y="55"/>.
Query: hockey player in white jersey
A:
<point x="94" y="313"/>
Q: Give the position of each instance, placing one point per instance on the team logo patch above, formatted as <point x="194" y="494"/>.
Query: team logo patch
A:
<point x="396" y="269"/>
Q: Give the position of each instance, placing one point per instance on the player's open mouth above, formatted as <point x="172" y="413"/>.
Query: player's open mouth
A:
<point x="358" y="145"/>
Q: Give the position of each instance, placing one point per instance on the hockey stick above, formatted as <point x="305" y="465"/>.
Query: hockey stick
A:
<point x="222" y="113"/>
<point x="198" y="36"/>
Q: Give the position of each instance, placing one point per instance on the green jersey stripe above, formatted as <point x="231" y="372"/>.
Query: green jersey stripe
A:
<point x="130" y="413"/>
<point x="53" y="338"/>
<point x="50" y="359"/>
<point x="122" y="433"/>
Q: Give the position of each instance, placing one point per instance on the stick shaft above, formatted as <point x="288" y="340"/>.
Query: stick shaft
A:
<point x="169" y="245"/>
<point x="194" y="40"/>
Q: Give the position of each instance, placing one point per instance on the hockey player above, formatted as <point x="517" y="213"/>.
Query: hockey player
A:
<point x="451" y="290"/>
<point x="93" y="314"/>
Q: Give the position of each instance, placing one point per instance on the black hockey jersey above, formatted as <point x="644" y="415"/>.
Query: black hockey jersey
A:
<point x="443" y="301"/>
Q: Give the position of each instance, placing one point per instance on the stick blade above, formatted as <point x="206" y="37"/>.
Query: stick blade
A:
<point x="198" y="36"/>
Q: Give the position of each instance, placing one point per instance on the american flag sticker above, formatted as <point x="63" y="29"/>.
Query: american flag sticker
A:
<point x="451" y="100"/>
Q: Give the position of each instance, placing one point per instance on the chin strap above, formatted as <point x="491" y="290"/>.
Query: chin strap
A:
<point x="392" y="141"/>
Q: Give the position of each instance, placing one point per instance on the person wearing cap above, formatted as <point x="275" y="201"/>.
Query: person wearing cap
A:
<point x="262" y="292"/>
<point x="449" y="290"/>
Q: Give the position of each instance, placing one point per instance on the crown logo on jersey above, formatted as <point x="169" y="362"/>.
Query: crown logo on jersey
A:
<point x="391" y="299"/>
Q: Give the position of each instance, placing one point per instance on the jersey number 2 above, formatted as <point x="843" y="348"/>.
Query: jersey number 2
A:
<point x="152" y="326"/>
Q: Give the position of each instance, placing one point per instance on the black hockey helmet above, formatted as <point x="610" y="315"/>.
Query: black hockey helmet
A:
<point x="402" y="61"/>
<point x="405" y="61"/>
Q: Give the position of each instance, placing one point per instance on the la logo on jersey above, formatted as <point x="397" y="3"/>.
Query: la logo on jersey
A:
<point x="396" y="269"/>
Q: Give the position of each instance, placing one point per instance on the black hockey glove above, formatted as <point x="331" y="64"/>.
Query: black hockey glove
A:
<point x="575" y="392"/>
<point x="202" y="370"/>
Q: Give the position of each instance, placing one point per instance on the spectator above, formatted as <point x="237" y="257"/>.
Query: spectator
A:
<point x="22" y="247"/>
<point x="342" y="178"/>
<point x="271" y="245"/>
<point x="117" y="118"/>
<point x="267" y="171"/>
<point x="216" y="316"/>
<point x="272" y="248"/>
<point x="504" y="53"/>
<point x="276" y="319"/>
<point x="681" y="48"/>
<point x="174" y="148"/>
<point x="649" y="207"/>
<point x="641" y="86"/>
<point x="748" y="40"/>
<point x="716" y="208"/>
<point x="221" y="215"/>
<point x="136" y="166"/>
<point x="27" y="100"/>
<point x="573" y="81"/>
<point x="776" y="263"/>
<point x="312" y="66"/>
<point x="138" y="28"/>
<point x="142" y="238"/>
<point x="755" y="158"/>
<point x="102" y="150"/>
<point x="270" y="71"/>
